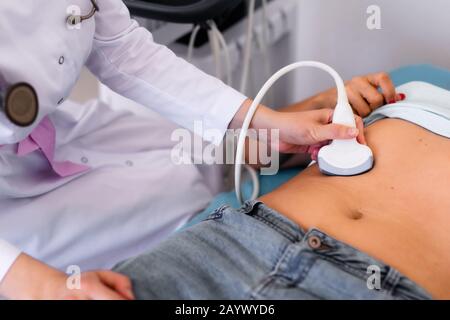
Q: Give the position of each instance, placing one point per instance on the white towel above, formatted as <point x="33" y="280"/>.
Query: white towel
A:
<point x="426" y="105"/>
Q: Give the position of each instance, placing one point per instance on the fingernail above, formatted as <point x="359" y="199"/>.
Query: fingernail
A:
<point x="353" y="132"/>
<point x="392" y="101"/>
<point x="402" y="96"/>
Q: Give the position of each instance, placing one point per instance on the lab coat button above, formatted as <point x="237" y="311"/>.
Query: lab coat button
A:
<point x="129" y="163"/>
<point x="84" y="160"/>
<point x="61" y="60"/>
<point x="314" y="242"/>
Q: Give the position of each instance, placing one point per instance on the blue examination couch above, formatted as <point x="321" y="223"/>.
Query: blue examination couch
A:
<point x="427" y="73"/>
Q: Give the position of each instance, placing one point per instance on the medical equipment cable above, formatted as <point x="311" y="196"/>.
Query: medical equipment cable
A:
<point x="248" y="47"/>
<point x="264" y="44"/>
<point x="342" y="103"/>
<point x="255" y="181"/>
<point x="252" y="172"/>
<point x="215" y="48"/>
<point x="262" y="41"/>
<point x="192" y="39"/>
<point x="216" y="51"/>
<point x="226" y="52"/>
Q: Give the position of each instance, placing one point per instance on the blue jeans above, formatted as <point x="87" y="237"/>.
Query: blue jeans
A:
<point x="256" y="253"/>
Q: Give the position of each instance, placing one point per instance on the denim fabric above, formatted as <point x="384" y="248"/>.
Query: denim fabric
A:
<point x="256" y="253"/>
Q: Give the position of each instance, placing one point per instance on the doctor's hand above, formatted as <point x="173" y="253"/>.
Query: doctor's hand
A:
<point x="301" y="131"/>
<point x="366" y="93"/>
<point x="97" y="285"/>
<point x="33" y="280"/>
<point x="308" y="131"/>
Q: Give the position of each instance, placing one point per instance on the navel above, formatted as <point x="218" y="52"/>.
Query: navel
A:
<point x="356" y="215"/>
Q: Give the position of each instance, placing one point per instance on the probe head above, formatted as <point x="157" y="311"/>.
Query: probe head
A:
<point x="345" y="158"/>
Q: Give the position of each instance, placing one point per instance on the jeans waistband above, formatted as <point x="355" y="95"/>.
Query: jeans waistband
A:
<point x="260" y="211"/>
<point x="347" y="257"/>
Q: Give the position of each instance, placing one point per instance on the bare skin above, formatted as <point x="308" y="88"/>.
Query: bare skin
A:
<point x="398" y="213"/>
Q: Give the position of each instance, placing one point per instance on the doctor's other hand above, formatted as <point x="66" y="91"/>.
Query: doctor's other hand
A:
<point x="30" y="279"/>
<point x="366" y="93"/>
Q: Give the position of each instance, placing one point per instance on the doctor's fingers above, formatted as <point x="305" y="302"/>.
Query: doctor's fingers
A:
<point x="314" y="149"/>
<point x="101" y="285"/>
<point x="120" y="283"/>
<point x="93" y="290"/>
<point x="331" y="132"/>
<point x="324" y="130"/>
<point x="361" y="138"/>
<point x="102" y="292"/>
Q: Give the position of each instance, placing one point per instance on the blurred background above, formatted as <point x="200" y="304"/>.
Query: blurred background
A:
<point x="285" y="31"/>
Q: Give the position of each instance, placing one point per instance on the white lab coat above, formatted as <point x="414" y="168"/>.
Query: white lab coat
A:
<point x="38" y="47"/>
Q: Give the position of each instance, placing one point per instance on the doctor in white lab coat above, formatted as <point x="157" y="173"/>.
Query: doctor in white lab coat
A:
<point x="78" y="160"/>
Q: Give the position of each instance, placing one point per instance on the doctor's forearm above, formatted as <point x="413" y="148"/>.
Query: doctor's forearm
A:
<point x="263" y="114"/>
<point x="264" y="119"/>
<point x="261" y="119"/>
